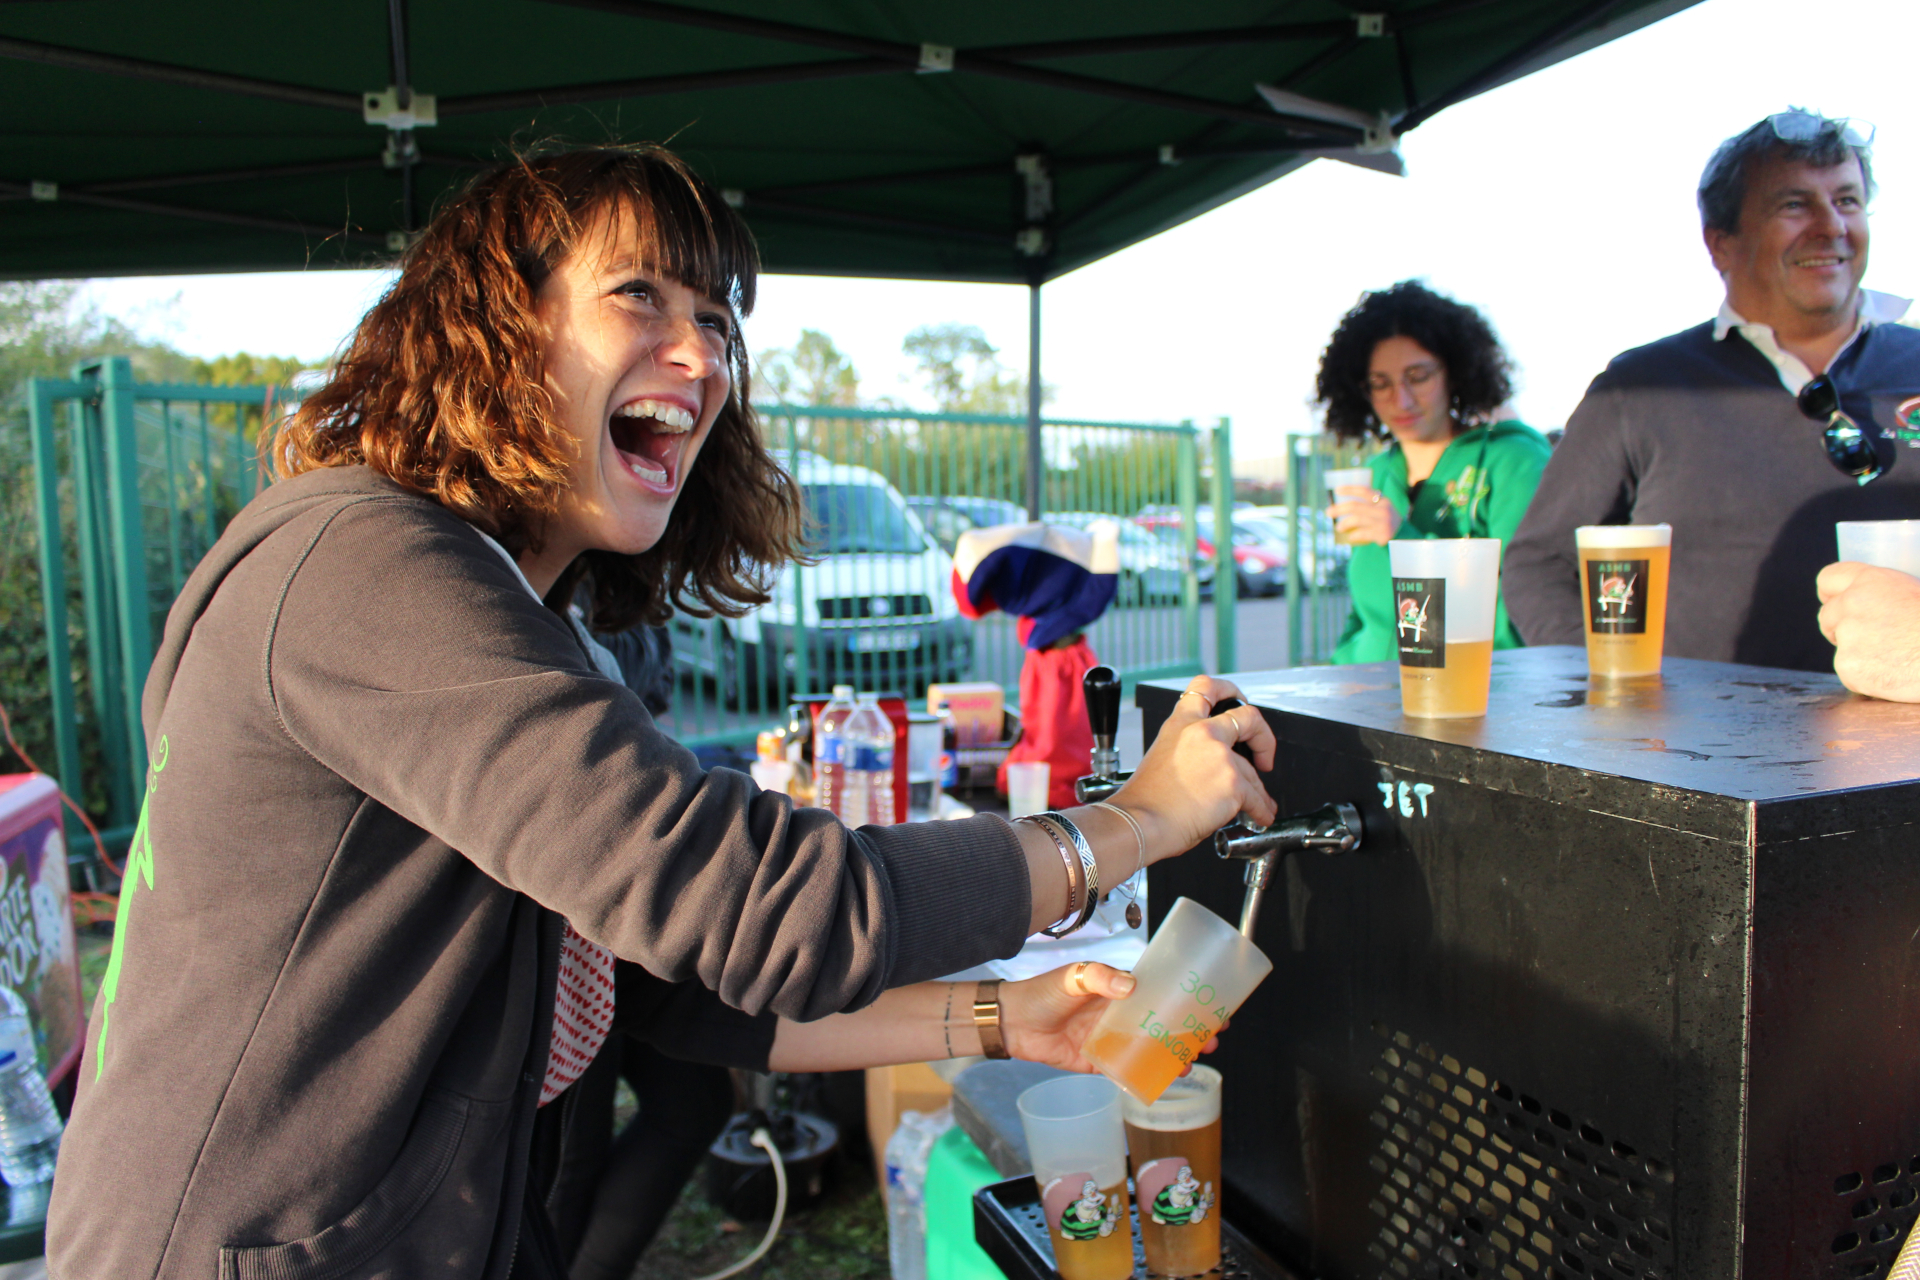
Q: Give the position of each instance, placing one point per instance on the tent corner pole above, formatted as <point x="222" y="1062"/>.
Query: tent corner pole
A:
<point x="1036" y="461"/>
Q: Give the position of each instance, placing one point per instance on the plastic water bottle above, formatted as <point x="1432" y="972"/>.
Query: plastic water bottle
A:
<point x="829" y="744"/>
<point x="908" y="1152"/>
<point x="947" y="768"/>
<point x="868" y="771"/>
<point x="29" y="1124"/>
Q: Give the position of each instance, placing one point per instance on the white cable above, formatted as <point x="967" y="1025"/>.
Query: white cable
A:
<point x="763" y="1140"/>
<point x="1907" y="1265"/>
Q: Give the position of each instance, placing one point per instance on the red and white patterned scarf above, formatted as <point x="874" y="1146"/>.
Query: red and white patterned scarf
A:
<point x="582" y="1012"/>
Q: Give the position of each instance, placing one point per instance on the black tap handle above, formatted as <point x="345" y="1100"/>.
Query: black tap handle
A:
<point x="1102" y="688"/>
<point x="1240" y="749"/>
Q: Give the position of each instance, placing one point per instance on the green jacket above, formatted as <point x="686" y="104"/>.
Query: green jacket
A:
<point x="1479" y="489"/>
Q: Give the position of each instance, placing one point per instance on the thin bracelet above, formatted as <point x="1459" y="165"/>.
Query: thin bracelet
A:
<point x="986" y="1018"/>
<point x="1139" y="836"/>
<point x="1087" y="863"/>
<point x="1067" y="923"/>
<point x="947" y="1025"/>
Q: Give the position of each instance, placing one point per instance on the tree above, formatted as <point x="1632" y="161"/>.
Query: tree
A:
<point x="811" y="372"/>
<point x="963" y="370"/>
<point x="46" y="328"/>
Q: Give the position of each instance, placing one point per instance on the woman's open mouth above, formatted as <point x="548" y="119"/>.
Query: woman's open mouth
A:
<point x="648" y="435"/>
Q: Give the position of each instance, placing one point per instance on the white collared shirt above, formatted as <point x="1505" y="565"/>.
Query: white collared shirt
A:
<point x="1875" y="308"/>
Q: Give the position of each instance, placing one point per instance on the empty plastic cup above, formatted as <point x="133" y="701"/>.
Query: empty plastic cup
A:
<point x="1890" y="544"/>
<point x="1190" y="979"/>
<point x="1444" y="591"/>
<point x="1079" y="1150"/>
<point x="1027" y="783"/>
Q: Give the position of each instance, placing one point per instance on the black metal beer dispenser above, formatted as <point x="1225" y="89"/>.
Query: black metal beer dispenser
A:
<point x="1624" y="983"/>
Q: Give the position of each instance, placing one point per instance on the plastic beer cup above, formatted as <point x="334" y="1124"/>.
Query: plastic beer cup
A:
<point x="1027" y="785"/>
<point x="1175" y="1144"/>
<point x="1190" y="979"/>
<point x="1079" y="1151"/>
<point x="1347" y="478"/>
<point x="1444" y="591"/>
<point x="1889" y="544"/>
<point x="1623" y="578"/>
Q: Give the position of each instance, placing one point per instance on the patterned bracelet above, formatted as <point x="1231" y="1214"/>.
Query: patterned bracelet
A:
<point x="1091" y="868"/>
<point x="1061" y="928"/>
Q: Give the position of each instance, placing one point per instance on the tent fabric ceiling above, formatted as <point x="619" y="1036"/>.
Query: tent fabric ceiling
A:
<point x="987" y="141"/>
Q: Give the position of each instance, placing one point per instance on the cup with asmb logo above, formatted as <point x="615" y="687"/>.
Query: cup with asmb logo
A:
<point x="1078" y="1146"/>
<point x="1444" y="591"/>
<point x="1623" y="578"/>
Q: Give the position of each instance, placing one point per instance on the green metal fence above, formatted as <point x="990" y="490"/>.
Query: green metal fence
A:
<point x="145" y="475"/>
<point x="135" y="481"/>
<point x="889" y="492"/>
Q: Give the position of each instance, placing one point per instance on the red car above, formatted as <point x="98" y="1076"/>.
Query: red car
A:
<point x="1260" y="563"/>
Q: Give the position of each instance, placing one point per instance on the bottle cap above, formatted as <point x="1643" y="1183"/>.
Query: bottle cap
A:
<point x="843" y="691"/>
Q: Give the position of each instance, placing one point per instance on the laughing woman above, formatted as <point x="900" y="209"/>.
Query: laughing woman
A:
<point x="398" y="827"/>
<point x="1428" y="374"/>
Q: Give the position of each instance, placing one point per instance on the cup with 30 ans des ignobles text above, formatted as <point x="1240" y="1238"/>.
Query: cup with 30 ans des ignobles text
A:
<point x="1623" y="581"/>
<point x="1444" y="592"/>
<point x="1194" y="973"/>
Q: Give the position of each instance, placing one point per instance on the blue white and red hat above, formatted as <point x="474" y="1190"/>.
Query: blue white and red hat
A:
<point x="1061" y="577"/>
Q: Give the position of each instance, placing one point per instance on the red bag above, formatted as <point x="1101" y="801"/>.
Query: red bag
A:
<point x="1053" y="716"/>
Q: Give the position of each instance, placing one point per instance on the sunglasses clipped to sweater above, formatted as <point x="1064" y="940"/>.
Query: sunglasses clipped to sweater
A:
<point x="1849" y="447"/>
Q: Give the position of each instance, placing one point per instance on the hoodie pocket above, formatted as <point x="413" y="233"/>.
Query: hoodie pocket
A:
<point x="430" y="1215"/>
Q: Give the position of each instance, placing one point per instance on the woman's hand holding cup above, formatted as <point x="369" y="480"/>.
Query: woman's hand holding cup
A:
<point x="1047" y="1018"/>
<point x="1363" y="516"/>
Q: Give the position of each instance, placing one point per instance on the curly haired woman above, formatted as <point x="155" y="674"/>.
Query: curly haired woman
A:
<point x="399" y="826"/>
<point x="1428" y="373"/>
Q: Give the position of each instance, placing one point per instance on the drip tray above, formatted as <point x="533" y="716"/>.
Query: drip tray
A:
<point x="1007" y="1224"/>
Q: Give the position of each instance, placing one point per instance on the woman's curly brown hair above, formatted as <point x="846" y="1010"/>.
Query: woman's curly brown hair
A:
<point x="1479" y="375"/>
<point x="442" y="386"/>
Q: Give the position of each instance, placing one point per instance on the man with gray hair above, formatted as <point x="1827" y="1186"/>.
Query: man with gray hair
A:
<point x="1750" y="434"/>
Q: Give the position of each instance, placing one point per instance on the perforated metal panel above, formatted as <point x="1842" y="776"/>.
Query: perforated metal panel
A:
<point x="1480" y="1179"/>
<point x="1873" y="1211"/>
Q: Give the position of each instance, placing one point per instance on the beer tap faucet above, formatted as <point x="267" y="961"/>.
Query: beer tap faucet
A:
<point x="1332" y="828"/>
<point x="1102" y="689"/>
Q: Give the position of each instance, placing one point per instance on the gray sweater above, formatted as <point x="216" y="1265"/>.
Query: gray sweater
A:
<point x="1701" y="435"/>
<point x="381" y="774"/>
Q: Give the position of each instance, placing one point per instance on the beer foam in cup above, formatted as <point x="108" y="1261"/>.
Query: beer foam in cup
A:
<point x="1623" y="536"/>
<point x="1189" y="1102"/>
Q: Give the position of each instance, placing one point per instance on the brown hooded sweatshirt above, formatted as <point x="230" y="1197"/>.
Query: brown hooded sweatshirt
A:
<point x="380" y="774"/>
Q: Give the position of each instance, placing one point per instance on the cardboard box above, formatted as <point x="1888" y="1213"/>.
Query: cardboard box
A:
<point x="38" y="955"/>
<point x="979" y="710"/>
<point x="891" y="1091"/>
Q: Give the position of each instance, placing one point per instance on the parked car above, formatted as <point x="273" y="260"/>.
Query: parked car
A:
<point x="878" y="602"/>
<point x="1259" y="559"/>
<point x="1324" y="561"/>
<point x="1151" y="571"/>
<point x="947" y="517"/>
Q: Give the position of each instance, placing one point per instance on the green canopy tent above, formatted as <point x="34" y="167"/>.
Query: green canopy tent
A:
<point x="900" y="138"/>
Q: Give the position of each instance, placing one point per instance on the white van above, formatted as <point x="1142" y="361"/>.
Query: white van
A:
<point x="876" y="607"/>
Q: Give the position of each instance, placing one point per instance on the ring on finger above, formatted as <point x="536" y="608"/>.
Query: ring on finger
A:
<point x="1195" y="693"/>
<point x="1375" y="499"/>
<point x="1079" y="976"/>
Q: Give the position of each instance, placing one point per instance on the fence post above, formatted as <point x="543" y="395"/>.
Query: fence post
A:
<point x="1187" y="492"/>
<point x="1226" y="578"/>
<point x="130" y="552"/>
<point x="96" y="590"/>
<point x="53" y="583"/>
<point x="1297" y="513"/>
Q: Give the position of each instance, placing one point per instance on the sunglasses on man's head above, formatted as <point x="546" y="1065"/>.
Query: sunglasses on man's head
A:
<point x="1805" y="126"/>
<point x="1849" y="447"/>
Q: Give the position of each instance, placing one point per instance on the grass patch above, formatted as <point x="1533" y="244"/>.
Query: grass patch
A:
<point x="844" y="1237"/>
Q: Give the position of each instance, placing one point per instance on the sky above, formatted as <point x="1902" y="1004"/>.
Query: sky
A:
<point x="1561" y="205"/>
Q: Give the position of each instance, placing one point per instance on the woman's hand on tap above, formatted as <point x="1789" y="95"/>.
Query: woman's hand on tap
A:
<point x="1191" y="783"/>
